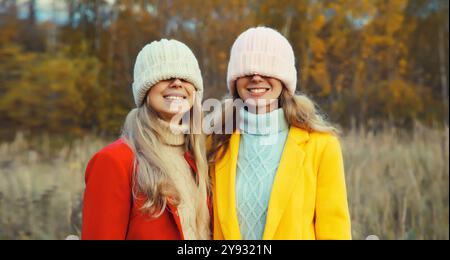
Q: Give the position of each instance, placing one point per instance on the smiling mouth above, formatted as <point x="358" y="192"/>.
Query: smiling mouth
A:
<point x="258" y="90"/>
<point x="174" y="98"/>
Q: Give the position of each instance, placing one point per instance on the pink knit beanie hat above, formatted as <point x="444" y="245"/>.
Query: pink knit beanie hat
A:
<point x="262" y="51"/>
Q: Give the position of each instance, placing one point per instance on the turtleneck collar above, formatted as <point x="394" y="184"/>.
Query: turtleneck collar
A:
<point x="262" y="124"/>
<point x="172" y="135"/>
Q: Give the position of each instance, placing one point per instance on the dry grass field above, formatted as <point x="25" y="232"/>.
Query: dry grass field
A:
<point x="398" y="184"/>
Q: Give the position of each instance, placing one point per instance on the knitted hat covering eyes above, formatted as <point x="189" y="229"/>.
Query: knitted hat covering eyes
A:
<point x="262" y="51"/>
<point x="162" y="60"/>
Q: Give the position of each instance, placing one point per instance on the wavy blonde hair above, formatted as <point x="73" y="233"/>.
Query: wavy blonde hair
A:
<point x="300" y="111"/>
<point x="152" y="176"/>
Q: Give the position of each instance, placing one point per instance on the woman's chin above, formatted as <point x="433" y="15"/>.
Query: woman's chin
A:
<point x="177" y="107"/>
<point x="260" y="102"/>
<point x="176" y="112"/>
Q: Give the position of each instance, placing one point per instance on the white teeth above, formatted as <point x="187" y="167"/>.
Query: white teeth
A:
<point x="258" y="90"/>
<point x="174" y="97"/>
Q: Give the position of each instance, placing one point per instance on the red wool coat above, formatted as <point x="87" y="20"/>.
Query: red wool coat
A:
<point x="109" y="211"/>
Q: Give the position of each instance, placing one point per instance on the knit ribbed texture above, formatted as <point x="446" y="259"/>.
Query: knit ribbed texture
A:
<point x="260" y="149"/>
<point x="162" y="60"/>
<point x="171" y="134"/>
<point x="262" y="51"/>
<point x="173" y="147"/>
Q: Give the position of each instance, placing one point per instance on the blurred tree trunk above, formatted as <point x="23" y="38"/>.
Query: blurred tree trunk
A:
<point x="31" y="12"/>
<point x="443" y="66"/>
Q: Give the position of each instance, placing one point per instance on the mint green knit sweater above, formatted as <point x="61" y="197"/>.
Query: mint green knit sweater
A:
<point x="262" y="142"/>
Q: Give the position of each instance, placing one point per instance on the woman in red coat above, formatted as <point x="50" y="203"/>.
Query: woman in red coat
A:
<point x="152" y="183"/>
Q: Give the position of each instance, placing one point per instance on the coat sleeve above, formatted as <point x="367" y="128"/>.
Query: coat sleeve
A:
<point x="332" y="218"/>
<point x="107" y="199"/>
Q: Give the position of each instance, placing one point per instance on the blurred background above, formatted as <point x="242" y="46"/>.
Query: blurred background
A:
<point x="378" y="68"/>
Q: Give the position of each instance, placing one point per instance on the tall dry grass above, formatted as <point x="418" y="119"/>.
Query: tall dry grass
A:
<point x="41" y="187"/>
<point x="398" y="185"/>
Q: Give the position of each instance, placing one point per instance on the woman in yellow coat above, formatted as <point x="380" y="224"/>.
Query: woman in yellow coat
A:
<point x="279" y="173"/>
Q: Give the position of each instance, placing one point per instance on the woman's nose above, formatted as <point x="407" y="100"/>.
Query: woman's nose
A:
<point x="256" y="77"/>
<point x="176" y="83"/>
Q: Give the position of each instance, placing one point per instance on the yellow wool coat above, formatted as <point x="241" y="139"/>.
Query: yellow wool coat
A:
<point x="308" y="198"/>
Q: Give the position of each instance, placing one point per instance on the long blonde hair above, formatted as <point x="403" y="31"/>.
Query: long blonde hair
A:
<point x="152" y="177"/>
<point x="299" y="110"/>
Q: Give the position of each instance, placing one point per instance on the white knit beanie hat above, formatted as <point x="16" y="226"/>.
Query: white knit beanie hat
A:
<point x="162" y="60"/>
<point x="262" y="51"/>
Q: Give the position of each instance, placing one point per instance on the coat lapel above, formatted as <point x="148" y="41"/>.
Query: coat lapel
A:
<point x="289" y="171"/>
<point x="225" y="174"/>
<point x="174" y="211"/>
